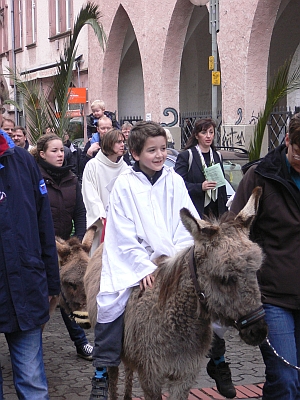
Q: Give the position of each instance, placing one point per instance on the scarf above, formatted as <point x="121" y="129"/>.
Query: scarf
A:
<point x="210" y="195"/>
<point x="56" y="173"/>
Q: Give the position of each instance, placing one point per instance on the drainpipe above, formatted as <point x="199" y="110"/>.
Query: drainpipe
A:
<point x="14" y="55"/>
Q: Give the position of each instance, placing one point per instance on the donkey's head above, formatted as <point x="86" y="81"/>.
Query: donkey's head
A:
<point x="73" y="258"/>
<point x="226" y="262"/>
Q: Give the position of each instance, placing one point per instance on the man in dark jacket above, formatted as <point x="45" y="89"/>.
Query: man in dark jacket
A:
<point x="29" y="274"/>
<point x="277" y="229"/>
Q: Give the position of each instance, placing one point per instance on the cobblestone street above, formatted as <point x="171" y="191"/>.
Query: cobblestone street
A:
<point x="69" y="376"/>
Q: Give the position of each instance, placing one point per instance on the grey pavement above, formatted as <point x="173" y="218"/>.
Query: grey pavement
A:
<point x="69" y="377"/>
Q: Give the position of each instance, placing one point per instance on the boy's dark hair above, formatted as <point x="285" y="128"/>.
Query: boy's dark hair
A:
<point x="294" y="130"/>
<point x="109" y="140"/>
<point x="200" y="125"/>
<point x="141" y="132"/>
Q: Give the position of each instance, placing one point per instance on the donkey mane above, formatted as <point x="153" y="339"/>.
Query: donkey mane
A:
<point x="169" y="273"/>
<point x="171" y="270"/>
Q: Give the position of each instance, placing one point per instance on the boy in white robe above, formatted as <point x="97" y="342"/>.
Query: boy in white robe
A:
<point x="143" y="223"/>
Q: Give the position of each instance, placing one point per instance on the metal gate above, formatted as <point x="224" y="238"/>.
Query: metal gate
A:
<point x="187" y="122"/>
<point x="278" y="125"/>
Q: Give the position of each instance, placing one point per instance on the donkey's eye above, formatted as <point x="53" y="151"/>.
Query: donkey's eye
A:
<point x="73" y="285"/>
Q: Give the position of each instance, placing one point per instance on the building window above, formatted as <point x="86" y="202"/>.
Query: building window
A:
<point x="30" y="22"/>
<point x="18" y="24"/>
<point x="3" y="28"/>
<point x="60" y="16"/>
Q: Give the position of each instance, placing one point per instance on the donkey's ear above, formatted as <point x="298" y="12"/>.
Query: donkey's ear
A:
<point x="247" y="214"/>
<point x="88" y="238"/>
<point x="62" y="247"/>
<point x="197" y="227"/>
<point x="189" y="222"/>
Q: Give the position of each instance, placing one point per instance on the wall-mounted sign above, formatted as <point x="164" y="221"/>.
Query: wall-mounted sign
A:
<point x="77" y="96"/>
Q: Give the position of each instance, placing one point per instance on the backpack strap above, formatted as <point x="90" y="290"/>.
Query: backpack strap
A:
<point x="220" y="155"/>
<point x="190" y="158"/>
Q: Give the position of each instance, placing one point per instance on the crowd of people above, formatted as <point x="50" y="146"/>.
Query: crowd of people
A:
<point x="121" y="173"/>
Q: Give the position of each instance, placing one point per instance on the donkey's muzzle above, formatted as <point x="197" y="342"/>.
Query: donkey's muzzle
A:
<point x="81" y="318"/>
<point x="252" y="327"/>
<point x="250" y="318"/>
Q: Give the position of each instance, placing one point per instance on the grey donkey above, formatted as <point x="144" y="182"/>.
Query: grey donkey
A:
<point x="167" y="329"/>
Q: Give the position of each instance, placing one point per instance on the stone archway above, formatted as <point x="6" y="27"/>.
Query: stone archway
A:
<point x="131" y="81"/>
<point x="244" y="44"/>
<point x="112" y="58"/>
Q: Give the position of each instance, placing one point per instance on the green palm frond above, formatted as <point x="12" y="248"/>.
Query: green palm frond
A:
<point x="283" y="83"/>
<point x="34" y="100"/>
<point x="39" y="112"/>
<point x="89" y="14"/>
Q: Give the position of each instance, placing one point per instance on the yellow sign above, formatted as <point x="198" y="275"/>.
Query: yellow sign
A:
<point x="211" y="62"/>
<point x="216" y="78"/>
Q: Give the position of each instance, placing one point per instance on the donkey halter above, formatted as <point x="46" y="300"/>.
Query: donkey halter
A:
<point x="242" y="322"/>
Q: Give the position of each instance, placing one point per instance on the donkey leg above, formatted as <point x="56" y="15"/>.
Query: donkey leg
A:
<point x="113" y="374"/>
<point x="180" y="390"/>
<point x="151" y="386"/>
<point x="128" y="382"/>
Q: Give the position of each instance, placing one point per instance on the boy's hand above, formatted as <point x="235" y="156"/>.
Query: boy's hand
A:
<point x="147" y="282"/>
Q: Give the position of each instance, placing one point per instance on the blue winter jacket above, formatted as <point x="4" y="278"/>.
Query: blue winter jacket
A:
<point x="28" y="258"/>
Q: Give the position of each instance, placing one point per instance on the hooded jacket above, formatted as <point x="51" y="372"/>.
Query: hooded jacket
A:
<point x="66" y="204"/>
<point x="276" y="227"/>
<point x="28" y="259"/>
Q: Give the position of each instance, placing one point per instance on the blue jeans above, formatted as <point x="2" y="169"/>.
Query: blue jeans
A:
<point x="76" y="333"/>
<point x="26" y="354"/>
<point x="282" y="381"/>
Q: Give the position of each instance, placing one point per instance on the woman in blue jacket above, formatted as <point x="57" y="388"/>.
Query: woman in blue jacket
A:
<point x="29" y="274"/>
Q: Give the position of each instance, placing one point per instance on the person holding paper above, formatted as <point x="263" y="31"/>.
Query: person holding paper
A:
<point x="201" y="168"/>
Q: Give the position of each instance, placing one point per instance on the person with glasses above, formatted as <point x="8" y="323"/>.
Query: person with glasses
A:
<point x="97" y="175"/>
<point x="277" y="229"/>
<point x="209" y="200"/>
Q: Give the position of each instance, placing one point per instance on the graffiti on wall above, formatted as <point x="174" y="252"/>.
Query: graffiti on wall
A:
<point x="166" y="113"/>
<point x="233" y="137"/>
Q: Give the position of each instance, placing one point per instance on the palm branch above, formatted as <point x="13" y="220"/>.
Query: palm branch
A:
<point x="284" y="82"/>
<point x="39" y="111"/>
<point x="34" y="101"/>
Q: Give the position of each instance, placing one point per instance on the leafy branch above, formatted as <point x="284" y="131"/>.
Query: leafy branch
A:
<point x="283" y="83"/>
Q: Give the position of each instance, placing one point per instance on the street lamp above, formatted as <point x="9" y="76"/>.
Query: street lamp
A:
<point x="213" y="59"/>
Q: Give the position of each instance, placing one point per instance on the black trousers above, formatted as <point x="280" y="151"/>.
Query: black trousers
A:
<point x="218" y="347"/>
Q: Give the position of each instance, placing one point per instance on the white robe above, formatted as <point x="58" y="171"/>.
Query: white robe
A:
<point x="143" y="223"/>
<point x="97" y="175"/>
